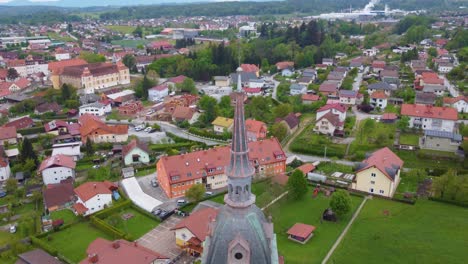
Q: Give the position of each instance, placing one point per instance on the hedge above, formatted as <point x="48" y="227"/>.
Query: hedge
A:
<point x="457" y="203"/>
<point x="164" y="147"/>
<point x="136" y="208"/>
<point x="108" y="229"/>
<point x="177" y="139"/>
<point x="207" y="134"/>
<point x="316" y="149"/>
<point x="32" y="130"/>
<point x="109" y="211"/>
<point x="45" y="246"/>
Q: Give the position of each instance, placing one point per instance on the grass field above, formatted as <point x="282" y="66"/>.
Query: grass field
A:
<point x="66" y="215"/>
<point x="308" y="142"/>
<point x="428" y="232"/>
<point x="308" y="210"/>
<point x="72" y="242"/>
<point x="330" y="167"/>
<point x="136" y="226"/>
<point x="122" y="29"/>
<point x="56" y="36"/>
<point x="369" y="139"/>
<point x="409" y="139"/>
<point x="130" y="43"/>
<point x="412" y="160"/>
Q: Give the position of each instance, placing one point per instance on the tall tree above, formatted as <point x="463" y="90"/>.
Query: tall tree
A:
<point x="340" y="202"/>
<point x="11" y="186"/>
<point x="146" y="84"/>
<point x="129" y="61"/>
<point x="279" y="130"/>
<point x="297" y="185"/>
<point x="27" y="151"/>
<point x="89" y="148"/>
<point x="187" y="86"/>
<point x="67" y="92"/>
<point x="196" y="192"/>
<point x="12" y="74"/>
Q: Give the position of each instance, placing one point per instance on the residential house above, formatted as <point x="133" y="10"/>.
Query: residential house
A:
<point x="92" y="197"/>
<point x="174" y="81"/>
<point x="256" y="130"/>
<point x="251" y="68"/>
<point x="429" y="117"/>
<point x="96" y="109"/>
<point x="102" y="251"/>
<point x="47" y="107"/>
<point x="183" y="113"/>
<point x="286" y="68"/>
<point x="296" y="89"/>
<point x="310" y="98"/>
<point x="158" y="92"/>
<point x="89" y="98"/>
<point x="190" y="232"/>
<point x="336" y="76"/>
<point x="328" y="61"/>
<point x="370" y="52"/>
<point x="357" y="63"/>
<point x="252" y="91"/>
<point x="306" y="81"/>
<point x="418" y="65"/>
<point x="425" y="98"/>
<point x="161" y="45"/>
<point x="59" y="196"/>
<point x="142" y="62"/>
<point x="130" y="108"/>
<point x="379" y="173"/>
<point x="222" y="81"/>
<point x="378" y="66"/>
<point x="8" y="135"/>
<point x="291" y="122"/>
<point x="55" y="169"/>
<point x="460" y="103"/>
<point x="381" y="86"/>
<point x="378" y="100"/>
<point x="37" y="256"/>
<point x="348" y="97"/>
<point x="245" y="78"/>
<point x="390" y="77"/>
<point x="389" y="118"/>
<point x="4" y="91"/>
<point x="444" y="67"/>
<point x="336" y="109"/>
<point x="329" y="88"/>
<point x="256" y="83"/>
<point x="21" y="123"/>
<point x="436" y="89"/>
<point x="176" y="174"/>
<point x="309" y="73"/>
<point x="135" y="152"/>
<point x="5" y="170"/>
<point x="222" y="124"/>
<point x="441" y="141"/>
<point x="96" y="130"/>
<point x="329" y="124"/>
<point x="71" y="149"/>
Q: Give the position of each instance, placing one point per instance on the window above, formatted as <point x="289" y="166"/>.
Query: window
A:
<point x="381" y="191"/>
<point x="238" y="256"/>
<point x="373" y="175"/>
<point x="372" y="182"/>
<point x="371" y="190"/>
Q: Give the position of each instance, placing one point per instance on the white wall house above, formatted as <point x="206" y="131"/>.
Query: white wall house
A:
<point x="256" y="83"/>
<point x="96" y="109"/>
<point x="296" y="89"/>
<point x="460" y="103"/>
<point x="5" y="171"/>
<point x="62" y="56"/>
<point x="336" y="109"/>
<point x="96" y="203"/>
<point x="134" y="153"/>
<point x="93" y="197"/>
<point x="158" y="92"/>
<point x="57" y="168"/>
<point x="430" y="117"/>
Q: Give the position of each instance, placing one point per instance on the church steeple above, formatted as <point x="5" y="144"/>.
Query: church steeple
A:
<point x="239" y="171"/>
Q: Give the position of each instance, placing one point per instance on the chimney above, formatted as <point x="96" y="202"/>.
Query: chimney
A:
<point x="116" y="244"/>
<point x="135" y="244"/>
<point x="93" y="258"/>
<point x="95" y="186"/>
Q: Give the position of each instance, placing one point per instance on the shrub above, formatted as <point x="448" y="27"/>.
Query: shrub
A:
<point x="32" y="130"/>
<point x="45" y="246"/>
<point x="208" y="134"/>
<point x="116" y="208"/>
<point x="108" y="229"/>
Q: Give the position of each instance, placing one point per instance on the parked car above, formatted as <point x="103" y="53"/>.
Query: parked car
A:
<point x="157" y="212"/>
<point x="208" y="193"/>
<point x="2" y="193"/>
<point x="13" y="229"/>
<point x="165" y="214"/>
<point x="154" y="183"/>
<point x="96" y="166"/>
<point x="181" y="202"/>
<point x="152" y="130"/>
<point x="148" y="129"/>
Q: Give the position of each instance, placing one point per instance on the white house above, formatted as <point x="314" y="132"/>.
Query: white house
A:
<point x="349" y="97"/>
<point x="430" y="117"/>
<point x="256" y="83"/>
<point x="57" y="168"/>
<point x="329" y="124"/>
<point x="135" y="153"/>
<point x="296" y="89"/>
<point x="370" y="52"/>
<point x="158" y="92"/>
<point x="93" y="197"/>
<point x="96" y="109"/>
<point x="287" y="72"/>
<point x="444" y="67"/>
<point x="336" y="109"/>
<point x="71" y="149"/>
<point x="62" y="56"/>
<point x="5" y="171"/>
<point x="460" y="103"/>
<point x="222" y="124"/>
<point x="379" y="99"/>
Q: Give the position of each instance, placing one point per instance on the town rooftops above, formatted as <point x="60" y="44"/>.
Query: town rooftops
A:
<point x="90" y="123"/>
<point x="249" y="68"/>
<point x="223" y="122"/>
<point x="338" y="107"/>
<point x="23" y="122"/>
<point x="381" y="86"/>
<point x="37" y="256"/>
<point x="57" y="67"/>
<point x="443" y="134"/>
<point x="310" y="97"/>
<point x="379" y="95"/>
<point x="59" y="194"/>
<point x="198" y="223"/>
<point x="428" y="111"/>
<point x="88" y="190"/>
<point x="160" y="87"/>
<point x="7" y="133"/>
<point x="285" y="65"/>
<point x="183" y="112"/>
<point x="384" y="160"/>
<point x="102" y="251"/>
<point x="133" y="144"/>
<point x="254" y="125"/>
<point x="449" y="100"/>
<point x="57" y="161"/>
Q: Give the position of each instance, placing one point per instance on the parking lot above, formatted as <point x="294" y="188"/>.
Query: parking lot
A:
<point x="155" y="137"/>
<point x="161" y="239"/>
<point x="156" y="192"/>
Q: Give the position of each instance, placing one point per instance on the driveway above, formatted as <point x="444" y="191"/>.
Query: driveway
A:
<point x="161" y="239"/>
<point x="358" y="79"/>
<point x="156" y="137"/>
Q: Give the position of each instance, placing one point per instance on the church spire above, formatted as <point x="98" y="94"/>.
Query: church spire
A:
<point x="240" y="171"/>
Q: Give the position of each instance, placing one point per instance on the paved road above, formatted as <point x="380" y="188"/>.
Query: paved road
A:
<point x="274" y="95"/>
<point x="361" y="115"/>
<point x="310" y="158"/>
<point x="358" y="79"/>
<point x="451" y="88"/>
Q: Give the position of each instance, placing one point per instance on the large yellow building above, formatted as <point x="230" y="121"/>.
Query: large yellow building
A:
<point x="379" y="173"/>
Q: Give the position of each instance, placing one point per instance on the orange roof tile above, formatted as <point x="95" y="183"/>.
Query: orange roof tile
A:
<point x="198" y="222"/>
<point x="428" y="111"/>
<point x="88" y="190"/>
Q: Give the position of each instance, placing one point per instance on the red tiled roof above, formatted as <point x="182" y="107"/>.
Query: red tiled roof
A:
<point x="310" y="97"/>
<point x="88" y="190"/>
<point x="23" y="122"/>
<point x="3" y="74"/>
<point x="428" y="111"/>
<point x="197" y="163"/>
<point x="332" y="118"/>
<point x="306" y="168"/>
<point x="183" y="112"/>
<point x="450" y="100"/>
<point x="161" y="44"/>
<point x="4" y="90"/>
<point x="57" y="66"/>
<point x="301" y="230"/>
<point x="252" y="90"/>
<point x="22" y="83"/>
<point x="249" y="68"/>
<point x="160" y="87"/>
<point x="338" y="107"/>
<point x="7" y="132"/>
<point x="379" y="95"/>
<point x="254" y="125"/>
<point x="58" y="161"/>
<point x="328" y="87"/>
<point x="80" y="208"/>
<point x="378" y="64"/>
<point x="383" y="159"/>
<point x="177" y="79"/>
<point x="55" y="124"/>
<point x="120" y="252"/>
<point x="198" y="222"/>
<point x="389" y="116"/>
<point x="284" y="65"/>
<point x="16" y="63"/>
<point x="90" y="124"/>
<point x="133" y="144"/>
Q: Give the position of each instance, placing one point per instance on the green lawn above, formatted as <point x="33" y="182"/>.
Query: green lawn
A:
<point x="130" y="43"/>
<point x="72" y="242"/>
<point x="331" y="167"/>
<point x="308" y="210"/>
<point x="412" y="160"/>
<point x="56" y="36"/>
<point x="66" y="215"/>
<point x="428" y="232"/>
<point x="122" y="29"/>
<point x="308" y="142"/>
<point x="145" y="172"/>
<point x="371" y="138"/>
<point x="6" y="237"/>
<point x="409" y="139"/>
<point x="136" y="226"/>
